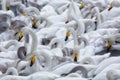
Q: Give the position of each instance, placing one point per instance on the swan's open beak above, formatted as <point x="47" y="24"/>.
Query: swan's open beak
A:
<point x="24" y="14"/>
<point x="110" y="7"/>
<point x="20" y="36"/>
<point x="75" y="55"/>
<point x="108" y="45"/>
<point x="81" y="6"/>
<point x="67" y="35"/>
<point x="32" y="60"/>
<point x="8" y="6"/>
<point x="34" y="23"/>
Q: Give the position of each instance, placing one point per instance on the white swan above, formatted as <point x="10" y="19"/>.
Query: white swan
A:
<point x="62" y="70"/>
<point x="113" y="74"/>
<point x="103" y="64"/>
<point x="35" y="66"/>
<point x="114" y="3"/>
<point x="102" y="74"/>
<point x="27" y="31"/>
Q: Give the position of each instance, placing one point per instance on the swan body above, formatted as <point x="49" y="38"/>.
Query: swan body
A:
<point x="113" y="74"/>
<point x="103" y="64"/>
<point x="102" y="74"/>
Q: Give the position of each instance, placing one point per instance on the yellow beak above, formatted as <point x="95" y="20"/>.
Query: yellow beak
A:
<point x="8" y="6"/>
<point x="67" y="35"/>
<point x="34" y="23"/>
<point x="108" y="46"/>
<point x="75" y="55"/>
<point x="20" y="36"/>
<point x="81" y="5"/>
<point x="110" y="7"/>
<point x="32" y="60"/>
<point x="24" y="14"/>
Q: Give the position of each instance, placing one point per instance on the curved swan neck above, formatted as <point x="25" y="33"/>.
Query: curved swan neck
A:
<point x="73" y="32"/>
<point x="28" y="31"/>
<point x="10" y="43"/>
<point x="59" y="42"/>
<point x="12" y="71"/>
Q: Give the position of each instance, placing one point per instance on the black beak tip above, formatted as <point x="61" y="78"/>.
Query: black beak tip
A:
<point x="19" y="39"/>
<point x="31" y="63"/>
<point x="34" y="27"/>
<point x="109" y="9"/>
<point x="66" y="38"/>
<point x="75" y="59"/>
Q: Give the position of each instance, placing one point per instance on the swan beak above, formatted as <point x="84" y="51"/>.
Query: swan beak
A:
<point x="8" y="6"/>
<point x="67" y="35"/>
<point x="81" y="5"/>
<point x="110" y="7"/>
<point x="66" y="21"/>
<point x="20" y="36"/>
<point x="32" y="60"/>
<point x="75" y="57"/>
<point x="24" y="14"/>
<point x="108" y="45"/>
<point x="33" y="24"/>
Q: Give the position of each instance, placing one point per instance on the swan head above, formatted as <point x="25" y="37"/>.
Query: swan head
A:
<point x="20" y="36"/>
<point x="33" y="59"/>
<point x="34" y="23"/>
<point x="110" y="7"/>
<point x="67" y="35"/>
<point x="75" y="55"/>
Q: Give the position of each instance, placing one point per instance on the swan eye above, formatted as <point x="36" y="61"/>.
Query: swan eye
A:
<point x="32" y="60"/>
<point x="75" y="57"/>
<point x="67" y="35"/>
<point x="24" y="14"/>
<point x="81" y="5"/>
<point x="110" y="7"/>
<point x="20" y="36"/>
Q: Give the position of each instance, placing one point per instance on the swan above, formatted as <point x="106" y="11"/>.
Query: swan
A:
<point x="36" y="4"/>
<point x="103" y="64"/>
<point x="62" y="70"/>
<point x="34" y="65"/>
<point x="9" y="46"/>
<point x="16" y="7"/>
<point x="103" y="73"/>
<point x="114" y="3"/>
<point x="43" y="75"/>
<point x="71" y="78"/>
<point x="28" y="31"/>
<point x="113" y="74"/>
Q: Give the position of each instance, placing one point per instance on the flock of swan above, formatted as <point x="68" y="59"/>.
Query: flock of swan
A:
<point x="60" y="40"/>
